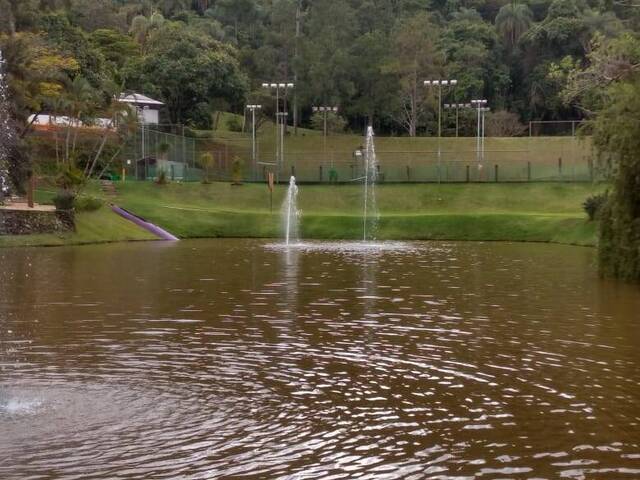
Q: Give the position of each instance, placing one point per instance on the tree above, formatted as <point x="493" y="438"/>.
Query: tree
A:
<point x="617" y="138"/>
<point x="141" y="28"/>
<point x="335" y="123"/>
<point x="188" y="71"/>
<point x="326" y="62"/>
<point x="512" y="21"/>
<point x="414" y="58"/>
<point x="504" y="124"/>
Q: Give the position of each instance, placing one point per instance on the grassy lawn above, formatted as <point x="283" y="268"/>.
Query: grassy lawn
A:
<point x="541" y="212"/>
<point x="519" y="212"/>
<point x="91" y="227"/>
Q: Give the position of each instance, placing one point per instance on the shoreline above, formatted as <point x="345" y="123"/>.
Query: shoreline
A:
<point x="539" y="213"/>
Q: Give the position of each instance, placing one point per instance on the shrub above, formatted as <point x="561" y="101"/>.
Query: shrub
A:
<point x="236" y="171"/>
<point x="593" y="205"/>
<point x="234" y="124"/>
<point x="69" y="177"/>
<point x="206" y="162"/>
<point x="64" y="200"/>
<point x="87" y="203"/>
<point x="162" y="177"/>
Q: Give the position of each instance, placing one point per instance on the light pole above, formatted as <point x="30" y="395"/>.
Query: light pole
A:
<point x="479" y="105"/>
<point x="483" y="111"/>
<point x="325" y="110"/>
<point x="279" y="161"/>
<point x="254" y="157"/>
<point x="440" y="84"/>
<point x="457" y="107"/>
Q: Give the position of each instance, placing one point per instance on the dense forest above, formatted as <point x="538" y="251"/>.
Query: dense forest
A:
<point x="369" y="57"/>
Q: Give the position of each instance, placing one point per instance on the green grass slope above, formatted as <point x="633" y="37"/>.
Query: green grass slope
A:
<point x="512" y="212"/>
<point x="100" y="226"/>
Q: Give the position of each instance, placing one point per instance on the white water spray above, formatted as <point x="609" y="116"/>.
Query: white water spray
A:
<point x="290" y="212"/>
<point x="370" y="215"/>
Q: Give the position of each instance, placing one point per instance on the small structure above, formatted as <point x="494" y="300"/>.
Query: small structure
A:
<point x="148" y="109"/>
<point x="45" y="122"/>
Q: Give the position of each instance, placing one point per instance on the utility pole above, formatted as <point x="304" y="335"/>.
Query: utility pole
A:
<point x="280" y="122"/>
<point x="325" y="110"/>
<point x="254" y="157"/>
<point x="479" y="104"/>
<point x="457" y="107"/>
<point x="440" y="84"/>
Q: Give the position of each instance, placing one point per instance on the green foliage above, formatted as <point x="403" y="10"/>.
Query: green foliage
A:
<point x="69" y="177"/>
<point x="186" y="70"/>
<point x="201" y="57"/>
<point x="64" y="200"/>
<point x="206" y="162"/>
<point x="593" y="205"/>
<point x="162" y="178"/>
<point x="335" y="122"/>
<point x="234" y="124"/>
<point x="236" y="170"/>
<point x="617" y="137"/>
<point x="88" y="203"/>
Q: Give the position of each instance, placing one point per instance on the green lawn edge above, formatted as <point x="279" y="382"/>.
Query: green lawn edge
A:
<point x="482" y="212"/>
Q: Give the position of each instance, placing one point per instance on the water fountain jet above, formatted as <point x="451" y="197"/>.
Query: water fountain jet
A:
<point x="370" y="213"/>
<point x="290" y="212"/>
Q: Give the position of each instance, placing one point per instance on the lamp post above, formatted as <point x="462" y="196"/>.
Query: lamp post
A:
<point x="483" y="112"/>
<point x="457" y="107"/>
<point x="325" y="110"/>
<point x="279" y="160"/>
<point x="479" y="105"/>
<point x="440" y="84"/>
<point x="254" y="157"/>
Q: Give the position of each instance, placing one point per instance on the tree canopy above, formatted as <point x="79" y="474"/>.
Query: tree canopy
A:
<point x="364" y="55"/>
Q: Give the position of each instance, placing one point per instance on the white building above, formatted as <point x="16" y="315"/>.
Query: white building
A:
<point x="148" y="109"/>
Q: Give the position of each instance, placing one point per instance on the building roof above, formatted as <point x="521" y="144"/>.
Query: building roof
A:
<point x="138" y="99"/>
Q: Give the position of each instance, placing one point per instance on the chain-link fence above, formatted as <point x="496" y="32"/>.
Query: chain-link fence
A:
<point x="522" y="159"/>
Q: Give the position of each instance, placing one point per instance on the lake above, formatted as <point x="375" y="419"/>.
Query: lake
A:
<point x="240" y="359"/>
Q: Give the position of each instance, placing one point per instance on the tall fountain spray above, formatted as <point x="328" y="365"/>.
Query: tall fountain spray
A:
<point x="7" y="132"/>
<point x="290" y="213"/>
<point x="370" y="215"/>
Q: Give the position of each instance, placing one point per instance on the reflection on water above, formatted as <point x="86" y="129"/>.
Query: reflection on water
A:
<point x="216" y="359"/>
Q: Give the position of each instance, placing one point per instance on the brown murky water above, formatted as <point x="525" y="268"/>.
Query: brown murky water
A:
<point x="230" y="359"/>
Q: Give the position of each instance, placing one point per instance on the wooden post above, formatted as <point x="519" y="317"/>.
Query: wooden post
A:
<point x="270" y="180"/>
<point x="408" y="173"/>
<point x="31" y="187"/>
<point x="320" y="173"/>
<point x="560" y="167"/>
<point x="496" y="174"/>
<point x="468" y="176"/>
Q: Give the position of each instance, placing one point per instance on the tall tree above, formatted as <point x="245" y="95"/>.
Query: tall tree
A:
<point x="414" y="58"/>
<point x="513" y="21"/>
